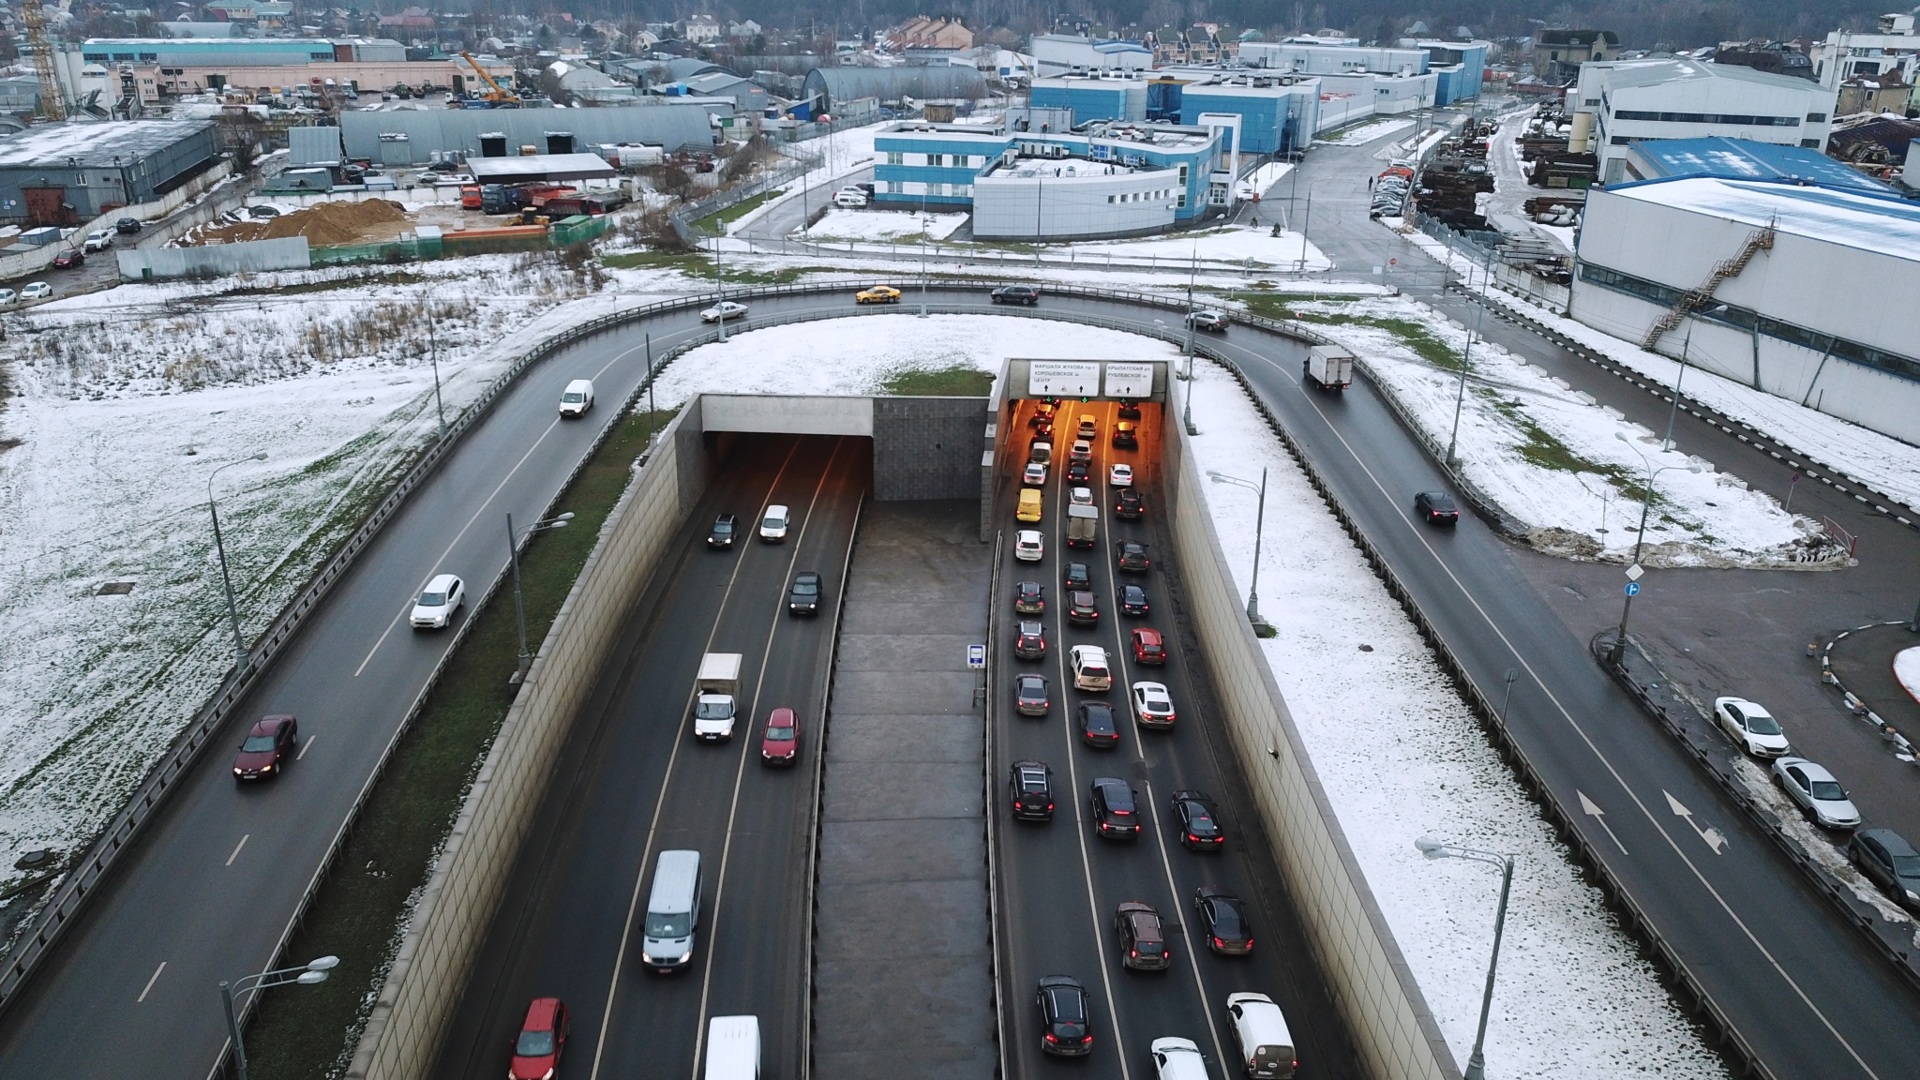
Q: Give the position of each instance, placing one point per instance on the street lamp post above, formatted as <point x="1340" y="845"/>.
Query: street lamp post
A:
<point x="719" y="289"/>
<point x="219" y="546"/>
<point x="311" y="973"/>
<point x="926" y="229"/>
<point x="1437" y="849"/>
<point x="1186" y="396"/>
<point x="1460" y="398"/>
<point x="433" y="357"/>
<point x="1619" y="650"/>
<point x="1259" y="521"/>
<point x="519" y="606"/>
<point x="1673" y="410"/>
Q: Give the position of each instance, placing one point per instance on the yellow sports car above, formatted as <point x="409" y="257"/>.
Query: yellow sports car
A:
<point x="879" y="294"/>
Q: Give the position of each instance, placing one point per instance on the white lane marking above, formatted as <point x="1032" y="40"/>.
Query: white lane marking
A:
<point x="1707" y="832"/>
<point x="1595" y="750"/>
<point x="147" y="989"/>
<point x="407" y="608"/>
<point x="660" y="801"/>
<point x="237" y="847"/>
<point x="1599" y="816"/>
<point x="304" y="747"/>
<point x="740" y="770"/>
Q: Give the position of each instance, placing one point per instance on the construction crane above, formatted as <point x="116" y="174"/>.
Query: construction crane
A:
<point x="52" y="106"/>
<point x="497" y="96"/>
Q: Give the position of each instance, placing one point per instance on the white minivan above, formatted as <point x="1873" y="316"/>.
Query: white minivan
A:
<point x="773" y="524"/>
<point x="850" y="199"/>
<point x="577" y="398"/>
<point x="1260" y="1032"/>
<point x="673" y="911"/>
<point x="733" y="1048"/>
<point x="1090" y="670"/>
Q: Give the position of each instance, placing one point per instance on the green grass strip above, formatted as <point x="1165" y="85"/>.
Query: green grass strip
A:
<point x="302" y="1032"/>
<point x="956" y="381"/>
<point x="718" y="220"/>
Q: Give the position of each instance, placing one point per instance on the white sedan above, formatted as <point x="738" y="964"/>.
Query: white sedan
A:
<point x="1080" y="496"/>
<point x="1152" y="705"/>
<point x="1036" y="474"/>
<point x="1816" y="792"/>
<point x="36" y="290"/>
<point x="438" y="602"/>
<point x="1028" y="545"/>
<point x="1120" y="476"/>
<point x="725" y="309"/>
<point x="1755" y="729"/>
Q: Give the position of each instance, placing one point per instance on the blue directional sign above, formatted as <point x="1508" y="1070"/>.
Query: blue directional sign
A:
<point x="976" y="656"/>
<point x="1633" y="588"/>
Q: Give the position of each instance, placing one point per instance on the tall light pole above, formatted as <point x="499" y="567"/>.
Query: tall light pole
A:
<point x="312" y="973"/>
<point x="719" y="289"/>
<point x="1259" y="520"/>
<point x="1619" y="650"/>
<point x="1437" y="849"/>
<point x="1460" y="398"/>
<point x="1300" y="267"/>
<point x="219" y="545"/>
<point x="519" y="606"/>
<point x="1673" y="410"/>
<point x="926" y="228"/>
<point x="1186" y="397"/>
<point x="433" y="357"/>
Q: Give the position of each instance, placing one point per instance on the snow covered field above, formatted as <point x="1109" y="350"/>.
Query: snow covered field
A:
<point x="1514" y="419"/>
<point x="1362" y="134"/>
<point x="881" y="225"/>
<point x="1233" y="243"/>
<point x="1390" y="779"/>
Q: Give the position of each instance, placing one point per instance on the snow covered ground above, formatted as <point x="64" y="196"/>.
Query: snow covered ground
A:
<point x="1868" y="457"/>
<point x="1556" y="461"/>
<point x="1259" y="180"/>
<point x="1245" y="244"/>
<point x="125" y="401"/>
<point x="841" y="224"/>
<point x="1437" y="775"/>
<point x="1362" y="134"/>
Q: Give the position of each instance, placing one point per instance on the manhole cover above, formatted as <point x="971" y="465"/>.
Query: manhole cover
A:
<point x="34" y="860"/>
<point x="114" y="588"/>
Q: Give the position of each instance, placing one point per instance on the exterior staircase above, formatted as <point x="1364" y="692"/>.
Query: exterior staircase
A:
<point x="1757" y="241"/>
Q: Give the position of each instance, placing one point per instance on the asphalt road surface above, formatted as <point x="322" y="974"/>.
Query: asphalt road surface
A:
<point x="1060" y="881"/>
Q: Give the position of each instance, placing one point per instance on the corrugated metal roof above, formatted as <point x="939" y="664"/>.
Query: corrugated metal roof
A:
<point x="1743" y="159"/>
<point x="95" y="145"/>
<point x="519" y="170"/>
<point x="669" y="123"/>
<point x="1887" y="226"/>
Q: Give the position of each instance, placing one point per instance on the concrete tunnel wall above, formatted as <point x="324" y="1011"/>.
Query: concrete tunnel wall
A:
<point x="923" y="447"/>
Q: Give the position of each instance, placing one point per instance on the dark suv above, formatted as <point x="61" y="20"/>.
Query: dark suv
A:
<point x="1131" y="556"/>
<point x="1081" y="610"/>
<point x="1017" y="294"/>
<point x="1030" y="695"/>
<point x="1031" y="641"/>
<point x="1066" y="1022"/>
<point x="1075" y="576"/>
<point x="1128" y="504"/>
<point x="1030" y="598"/>
<point x="1114" y="812"/>
<point x="1143" y="943"/>
<point x="1030" y="783"/>
<point x="804" y="597"/>
<point x="725" y="528"/>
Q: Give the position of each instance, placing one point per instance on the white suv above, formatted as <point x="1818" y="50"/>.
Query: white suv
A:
<point x="98" y="240"/>
<point x="1090" y="670"/>
<point x="1028" y="546"/>
<point x="438" y="602"/>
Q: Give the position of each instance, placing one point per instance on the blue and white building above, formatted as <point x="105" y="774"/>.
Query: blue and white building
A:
<point x="1113" y="179"/>
<point x="1459" y="68"/>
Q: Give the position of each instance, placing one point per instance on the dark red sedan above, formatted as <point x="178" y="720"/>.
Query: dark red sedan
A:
<point x="267" y="749"/>
<point x="780" y="745"/>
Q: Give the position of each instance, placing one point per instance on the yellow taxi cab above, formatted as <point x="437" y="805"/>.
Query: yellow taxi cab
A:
<point x="879" y="294"/>
<point x="1029" y="508"/>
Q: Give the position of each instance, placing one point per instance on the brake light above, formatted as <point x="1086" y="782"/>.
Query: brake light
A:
<point x="1052" y="1038"/>
<point x="1219" y="944"/>
<point x="1049" y="808"/>
<point x="1135" y="953"/>
<point x="1193" y="838"/>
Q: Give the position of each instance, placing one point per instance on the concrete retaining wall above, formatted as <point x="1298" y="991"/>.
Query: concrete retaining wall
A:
<point x="927" y="447"/>
<point x="253" y="256"/>
<point x="419" y="993"/>
<point x="1393" y="1030"/>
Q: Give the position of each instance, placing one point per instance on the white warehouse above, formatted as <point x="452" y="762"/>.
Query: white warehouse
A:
<point x="1618" y="102"/>
<point x="1800" y="291"/>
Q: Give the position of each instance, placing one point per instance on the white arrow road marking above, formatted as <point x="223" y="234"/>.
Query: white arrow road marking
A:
<point x="1707" y="832"/>
<point x="1592" y="810"/>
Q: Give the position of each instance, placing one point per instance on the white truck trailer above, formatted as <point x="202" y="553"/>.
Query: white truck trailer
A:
<point x="715" y="696"/>
<point x="1328" y="367"/>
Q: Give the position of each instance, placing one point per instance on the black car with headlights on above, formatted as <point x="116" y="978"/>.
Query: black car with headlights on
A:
<point x="725" y="528"/>
<point x="804" y="597"/>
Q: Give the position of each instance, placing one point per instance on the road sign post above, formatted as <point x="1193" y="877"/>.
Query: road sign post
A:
<point x="976" y="657"/>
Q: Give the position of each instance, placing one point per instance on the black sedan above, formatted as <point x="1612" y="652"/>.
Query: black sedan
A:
<point x="1129" y="410"/>
<point x="1066" y="1021"/>
<point x="1133" y="601"/>
<point x="1131" y="557"/>
<point x="725" y="528"/>
<point x="1030" y="695"/>
<point x="1436" y="507"/>
<point x="804" y="597"/>
<point x="1078" y="471"/>
<point x="1129" y="504"/>
<point x="1030" y="598"/>
<point x="1228" y="931"/>
<point x="1081" y="608"/>
<point x="1114" y="812"/>
<point x="1030" y="640"/>
<point x="1097" y="726"/>
<point x="1885" y="856"/>
<point x="1199" y="824"/>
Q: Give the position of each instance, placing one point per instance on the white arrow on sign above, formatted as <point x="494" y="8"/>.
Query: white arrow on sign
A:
<point x="1599" y="816"/>
<point x="1707" y="832"/>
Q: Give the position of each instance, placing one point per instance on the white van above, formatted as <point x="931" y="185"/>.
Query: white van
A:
<point x="850" y="200"/>
<point x="773" y="524"/>
<point x="673" y="911"/>
<point x="577" y="398"/>
<point x="1260" y="1032"/>
<point x="1177" y="1059"/>
<point x="733" y="1048"/>
<point x="1090" y="670"/>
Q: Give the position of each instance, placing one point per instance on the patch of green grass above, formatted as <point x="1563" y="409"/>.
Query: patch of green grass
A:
<point x="305" y="1032"/>
<point x="1418" y="338"/>
<point x="956" y="381"/>
<point x="717" y="221"/>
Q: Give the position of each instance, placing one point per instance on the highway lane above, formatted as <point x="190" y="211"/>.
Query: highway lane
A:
<point x="632" y="782"/>
<point x="1060" y="882"/>
<point x="190" y="906"/>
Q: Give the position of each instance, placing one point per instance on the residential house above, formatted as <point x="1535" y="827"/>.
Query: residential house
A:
<point x="1882" y="94"/>
<point x="1558" y="54"/>
<point x="700" y="29"/>
<point x="926" y="33"/>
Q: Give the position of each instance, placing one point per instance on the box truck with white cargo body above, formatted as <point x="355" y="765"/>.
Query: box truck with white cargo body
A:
<point x="715" y="691"/>
<point x="1328" y="367"/>
<point x="1083" y="525"/>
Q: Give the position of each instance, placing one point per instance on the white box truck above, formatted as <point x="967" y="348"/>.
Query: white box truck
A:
<point x="733" y="1048"/>
<point x="1328" y="367"/>
<point x="1083" y="526"/>
<point x="714" y="696"/>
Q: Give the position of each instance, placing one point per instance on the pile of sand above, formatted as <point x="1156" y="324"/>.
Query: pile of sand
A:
<point x="323" y="224"/>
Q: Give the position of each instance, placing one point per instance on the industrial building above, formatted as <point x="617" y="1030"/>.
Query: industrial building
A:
<point x="414" y="137"/>
<point x="1278" y="113"/>
<point x="825" y="88"/>
<point x="1060" y="54"/>
<point x="70" y="173"/>
<point x="1114" y="179"/>
<point x="1457" y="67"/>
<point x="1743" y="159"/>
<point x="1620" y="102"/>
<point x="1798" y="290"/>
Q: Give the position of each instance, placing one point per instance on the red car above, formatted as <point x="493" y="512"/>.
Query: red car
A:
<point x="536" y="1051"/>
<point x="781" y="743"/>
<point x="1147" y="646"/>
<point x="69" y="259"/>
<point x="268" y="745"/>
